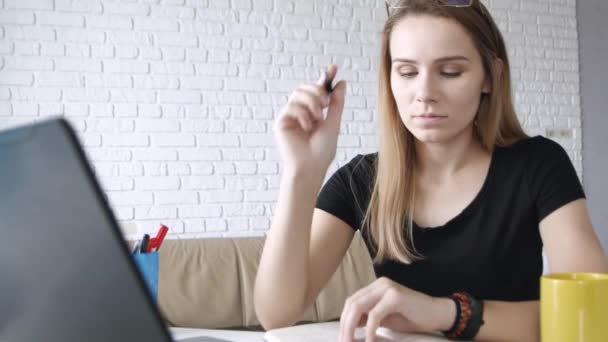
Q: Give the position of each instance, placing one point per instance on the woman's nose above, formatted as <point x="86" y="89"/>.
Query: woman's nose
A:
<point x="425" y="89"/>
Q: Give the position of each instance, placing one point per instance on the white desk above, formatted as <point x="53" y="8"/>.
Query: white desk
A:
<point x="231" y="335"/>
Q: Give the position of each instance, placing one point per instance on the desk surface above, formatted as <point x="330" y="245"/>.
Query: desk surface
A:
<point x="231" y="335"/>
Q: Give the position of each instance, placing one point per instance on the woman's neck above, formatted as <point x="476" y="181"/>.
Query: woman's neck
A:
<point x="445" y="159"/>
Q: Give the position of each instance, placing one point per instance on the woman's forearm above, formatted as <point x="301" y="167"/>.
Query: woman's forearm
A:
<point x="510" y="321"/>
<point x="282" y="276"/>
<point x="503" y="321"/>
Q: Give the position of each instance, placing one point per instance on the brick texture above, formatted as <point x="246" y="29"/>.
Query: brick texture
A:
<point x="174" y="100"/>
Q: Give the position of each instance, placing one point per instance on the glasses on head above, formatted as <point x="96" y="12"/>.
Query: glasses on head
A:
<point x="391" y="6"/>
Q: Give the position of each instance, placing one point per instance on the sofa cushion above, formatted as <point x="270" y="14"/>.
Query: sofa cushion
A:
<point x="208" y="283"/>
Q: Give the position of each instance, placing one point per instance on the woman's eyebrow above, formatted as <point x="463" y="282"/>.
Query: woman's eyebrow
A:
<point x="438" y="60"/>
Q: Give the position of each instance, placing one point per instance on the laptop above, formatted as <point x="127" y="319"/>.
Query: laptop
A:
<point x="66" y="273"/>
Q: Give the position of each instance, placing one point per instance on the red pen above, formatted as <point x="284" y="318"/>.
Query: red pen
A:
<point x="157" y="241"/>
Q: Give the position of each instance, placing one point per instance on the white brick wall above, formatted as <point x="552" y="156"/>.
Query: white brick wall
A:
<point x="174" y="99"/>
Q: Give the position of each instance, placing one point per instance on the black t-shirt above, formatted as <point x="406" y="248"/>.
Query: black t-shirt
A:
<point x="493" y="248"/>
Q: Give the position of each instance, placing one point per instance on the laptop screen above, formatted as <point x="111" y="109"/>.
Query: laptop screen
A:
<point x="65" y="270"/>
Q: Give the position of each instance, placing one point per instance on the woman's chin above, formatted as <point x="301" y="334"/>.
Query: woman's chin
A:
<point x="439" y="135"/>
<point x="428" y="136"/>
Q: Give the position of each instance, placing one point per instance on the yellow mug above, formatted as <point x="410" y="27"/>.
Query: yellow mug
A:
<point x="574" y="307"/>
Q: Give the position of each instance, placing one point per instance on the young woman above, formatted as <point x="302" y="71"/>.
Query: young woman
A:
<point x="455" y="207"/>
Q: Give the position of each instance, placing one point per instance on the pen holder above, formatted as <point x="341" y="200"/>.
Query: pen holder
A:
<point x="148" y="267"/>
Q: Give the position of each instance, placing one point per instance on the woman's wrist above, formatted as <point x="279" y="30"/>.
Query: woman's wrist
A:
<point x="445" y="313"/>
<point x="308" y="176"/>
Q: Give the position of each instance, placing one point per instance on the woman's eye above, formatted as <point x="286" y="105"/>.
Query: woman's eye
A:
<point x="451" y="74"/>
<point x="408" y="74"/>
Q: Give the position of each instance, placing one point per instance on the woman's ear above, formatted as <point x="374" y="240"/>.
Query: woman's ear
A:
<point x="487" y="87"/>
<point x="498" y="69"/>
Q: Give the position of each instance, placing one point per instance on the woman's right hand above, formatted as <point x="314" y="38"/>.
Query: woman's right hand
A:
<point x="307" y="142"/>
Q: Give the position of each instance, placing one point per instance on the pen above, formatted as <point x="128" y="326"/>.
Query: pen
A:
<point x="328" y="81"/>
<point x="157" y="241"/>
<point x="144" y="243"/>
<point x="136" y="247"/>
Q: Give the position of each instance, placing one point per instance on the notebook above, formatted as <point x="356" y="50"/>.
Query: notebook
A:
<point x="66" y="272"/>
<point x="329" y="331"/>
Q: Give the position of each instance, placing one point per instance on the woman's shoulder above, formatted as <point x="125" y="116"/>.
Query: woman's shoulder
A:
<point x="537" y="141"/>
<point x="361" y="163"/>
<point x="534" y="149"/>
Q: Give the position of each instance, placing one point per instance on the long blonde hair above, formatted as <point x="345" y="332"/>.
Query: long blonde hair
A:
<point x="391" y="204"/>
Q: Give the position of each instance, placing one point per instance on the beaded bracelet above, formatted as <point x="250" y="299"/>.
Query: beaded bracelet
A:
<point x="469" y="317"/>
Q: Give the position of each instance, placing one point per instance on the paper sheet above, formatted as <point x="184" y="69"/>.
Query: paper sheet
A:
<point x="329" y="331"/>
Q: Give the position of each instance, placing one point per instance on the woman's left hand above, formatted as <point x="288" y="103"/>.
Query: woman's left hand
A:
<point x="385" y="303"/>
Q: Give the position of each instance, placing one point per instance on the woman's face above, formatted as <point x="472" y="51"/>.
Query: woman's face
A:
<point x="437" y="77"/>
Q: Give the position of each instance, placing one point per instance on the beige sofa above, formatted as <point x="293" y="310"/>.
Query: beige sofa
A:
<point x="208" y="283"/>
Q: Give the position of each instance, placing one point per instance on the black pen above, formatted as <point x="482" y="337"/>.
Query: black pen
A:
<point x="328" y="81"/>
<point x="144" y="243"/>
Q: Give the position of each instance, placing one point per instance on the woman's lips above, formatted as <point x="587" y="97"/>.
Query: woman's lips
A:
<point x="429" y="119"/>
